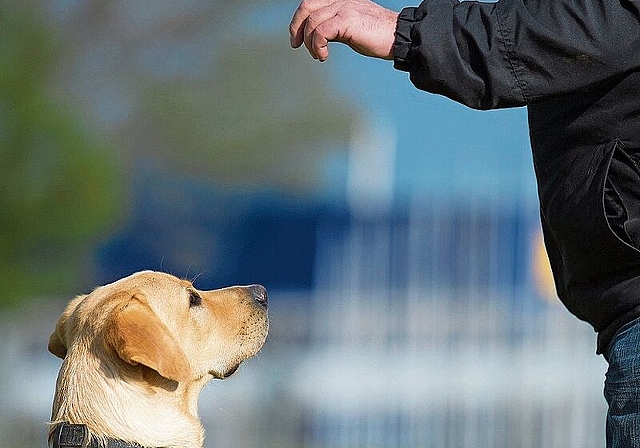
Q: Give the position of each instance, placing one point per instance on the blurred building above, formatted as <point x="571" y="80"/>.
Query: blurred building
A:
<point x="419" y="326"/>
<point x="424" y="323"/>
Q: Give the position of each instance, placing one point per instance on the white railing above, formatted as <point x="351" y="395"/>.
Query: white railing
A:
<point x="420" y="332"/>
<point x="428" y="332"/>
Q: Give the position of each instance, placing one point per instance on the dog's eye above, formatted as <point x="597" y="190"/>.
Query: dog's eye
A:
<point x="194" y="299"/>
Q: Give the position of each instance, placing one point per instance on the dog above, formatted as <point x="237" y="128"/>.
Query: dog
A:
<point x="136" y="354"/>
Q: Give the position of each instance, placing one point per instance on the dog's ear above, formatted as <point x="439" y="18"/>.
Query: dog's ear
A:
<point x="139" y="337"/>
<point x="58" y="341"/>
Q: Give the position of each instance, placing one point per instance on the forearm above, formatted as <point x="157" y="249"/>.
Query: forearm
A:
<point x="491" y="55"/>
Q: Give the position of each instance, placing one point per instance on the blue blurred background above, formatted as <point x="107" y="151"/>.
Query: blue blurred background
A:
<point x="397" y="232"/>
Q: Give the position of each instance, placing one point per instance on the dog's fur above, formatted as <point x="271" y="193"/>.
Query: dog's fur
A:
<point x="138" y="351"/>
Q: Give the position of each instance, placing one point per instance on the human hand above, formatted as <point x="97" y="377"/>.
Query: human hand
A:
<point x="366" y="27"/>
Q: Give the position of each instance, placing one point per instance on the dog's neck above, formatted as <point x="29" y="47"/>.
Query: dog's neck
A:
<point x="131" y="406"/>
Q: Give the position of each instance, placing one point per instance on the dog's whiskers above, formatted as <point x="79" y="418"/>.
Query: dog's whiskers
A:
<point x="197" y="276"/>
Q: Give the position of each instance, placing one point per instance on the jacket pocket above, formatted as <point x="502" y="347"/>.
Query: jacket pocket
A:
<point x="621" y="195"/>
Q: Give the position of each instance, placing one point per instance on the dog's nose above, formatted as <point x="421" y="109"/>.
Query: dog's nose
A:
<point x="259" y="294"/>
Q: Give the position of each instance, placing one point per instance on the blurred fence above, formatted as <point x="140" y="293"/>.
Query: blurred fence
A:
<point x="424" y="329"/>
<point x="429" y="332"/>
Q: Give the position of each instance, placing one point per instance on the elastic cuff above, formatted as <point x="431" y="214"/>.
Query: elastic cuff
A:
<point x="402" y="43"/>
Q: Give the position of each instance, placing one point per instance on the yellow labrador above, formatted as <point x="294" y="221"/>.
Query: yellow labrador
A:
<point x="137" y="353"/>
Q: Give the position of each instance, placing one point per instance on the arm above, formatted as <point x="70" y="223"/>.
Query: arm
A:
<point x="484" y="55"/>
<point x="515" y="52"/>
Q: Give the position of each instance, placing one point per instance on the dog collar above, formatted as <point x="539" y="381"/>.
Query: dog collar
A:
<point x="68" y="435"/>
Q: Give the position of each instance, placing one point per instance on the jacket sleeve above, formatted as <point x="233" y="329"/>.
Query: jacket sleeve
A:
<point x="516" y="52"/>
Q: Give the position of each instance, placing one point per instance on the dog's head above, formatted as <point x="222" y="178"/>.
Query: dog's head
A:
<point x="157" y="327"/>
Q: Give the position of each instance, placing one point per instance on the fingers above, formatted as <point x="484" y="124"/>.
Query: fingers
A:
<point x="299" y="20"/>
<point x="303" y="28"/>
<point x="366" y="27"/>
<point x="321" y="28"/>
<point x="296" y="27"/>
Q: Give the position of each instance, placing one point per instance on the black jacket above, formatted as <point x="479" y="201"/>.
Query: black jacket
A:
<point x="575" y="64"/>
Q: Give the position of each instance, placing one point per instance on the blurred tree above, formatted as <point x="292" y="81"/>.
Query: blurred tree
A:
<point x="59" y="187"/>
<point x="195" y="87"/>
<point x="205" y="87"/>
<point x="260" y="118"/>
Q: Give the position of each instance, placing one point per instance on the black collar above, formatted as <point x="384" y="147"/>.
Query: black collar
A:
<point x="68" y="435"/>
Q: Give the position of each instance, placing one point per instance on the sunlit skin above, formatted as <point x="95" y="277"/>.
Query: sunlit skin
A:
<point x="366" y="27"/>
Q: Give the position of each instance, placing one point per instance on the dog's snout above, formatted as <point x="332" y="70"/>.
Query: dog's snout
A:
<point x="259" y="294"/>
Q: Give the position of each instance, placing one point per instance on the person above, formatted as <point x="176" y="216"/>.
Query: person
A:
<point x="575" y="65"/>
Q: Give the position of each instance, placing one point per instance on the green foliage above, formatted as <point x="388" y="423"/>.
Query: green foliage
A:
<point x="59" y="187"/>
<point x="189" y="88"/>
<point x="205" y="87"/>
<point x="262" y="118"/>
<point x="255" y="120"/>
